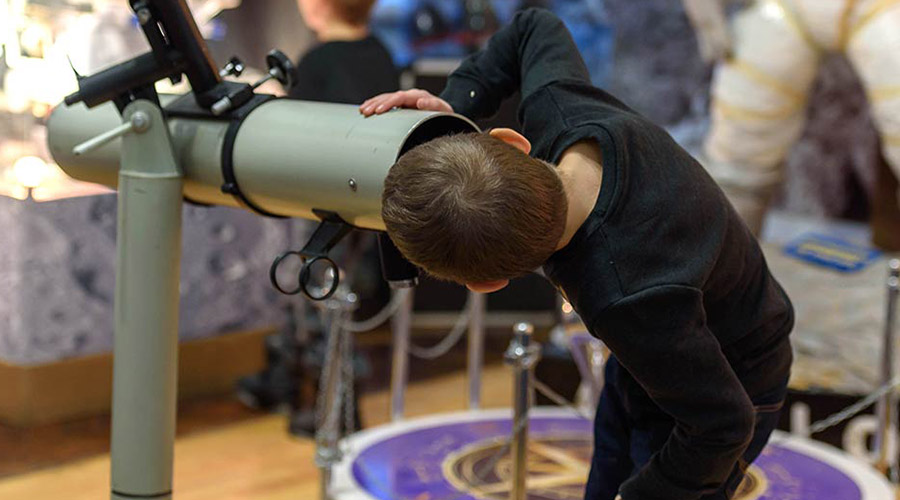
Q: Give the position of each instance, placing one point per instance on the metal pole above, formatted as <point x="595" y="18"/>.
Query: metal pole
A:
<point x="145" y="362"/>
<point x="328" y="421"/>
<point x="401" y="325"/>
<point x="337" y="311"/>
<point x="522" y="355"/>
<point x="887" y="405"/>
<point x="476" y="347"/>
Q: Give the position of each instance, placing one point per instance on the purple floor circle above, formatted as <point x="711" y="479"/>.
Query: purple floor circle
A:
<point x="464" y="457"/>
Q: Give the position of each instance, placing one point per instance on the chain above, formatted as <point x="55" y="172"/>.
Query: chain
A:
<point x="450" y="340"/>
<point x="558" y="398"/>
<point x="853" y="409"/>
<point x="397" y="299"/>
<point x="429" y="353"/>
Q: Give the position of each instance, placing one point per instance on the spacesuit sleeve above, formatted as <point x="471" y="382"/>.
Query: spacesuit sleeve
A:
<point x="660" y="336"/>
<point x="534" y="50"/>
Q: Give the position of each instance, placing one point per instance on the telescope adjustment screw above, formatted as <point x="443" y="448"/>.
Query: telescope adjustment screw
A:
<point x="234" y="67"/>
<point x="143" y="13"/>
<point x="139" y="123"/>
<point x="280" y="68"/>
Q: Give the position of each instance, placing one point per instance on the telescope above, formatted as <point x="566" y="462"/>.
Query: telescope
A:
<point x="283" y="158"/>
<point x="219" y="144"/>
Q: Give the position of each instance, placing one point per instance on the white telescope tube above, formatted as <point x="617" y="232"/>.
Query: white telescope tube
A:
<point x="290" y="157"/>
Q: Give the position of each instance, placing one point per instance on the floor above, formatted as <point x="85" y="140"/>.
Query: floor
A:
<point x="255" y="458"/>
<point x="51" y="445"/>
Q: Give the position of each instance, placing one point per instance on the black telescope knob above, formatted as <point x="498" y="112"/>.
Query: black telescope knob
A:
<point x="234" y="67"/>
<point x="281" y="67"/>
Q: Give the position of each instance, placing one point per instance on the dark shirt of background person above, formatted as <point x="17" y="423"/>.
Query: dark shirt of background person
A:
<point x="347" y="72"/>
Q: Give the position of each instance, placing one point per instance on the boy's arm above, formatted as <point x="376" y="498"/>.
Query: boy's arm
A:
<point x="532" y="51"/>
<point x="660" y="336"/>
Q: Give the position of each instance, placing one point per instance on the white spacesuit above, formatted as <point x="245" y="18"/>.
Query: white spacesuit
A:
<point x="768" y="59"/>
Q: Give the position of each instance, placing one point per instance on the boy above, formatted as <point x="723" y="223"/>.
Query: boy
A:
<point x="634" y="233"/>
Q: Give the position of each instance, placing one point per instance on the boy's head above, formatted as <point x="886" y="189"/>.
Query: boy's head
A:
<point x="474" y="208"/>
<point x="320" y="14"/>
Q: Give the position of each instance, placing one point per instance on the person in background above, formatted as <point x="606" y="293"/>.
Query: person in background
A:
<point x="349" y="65"/>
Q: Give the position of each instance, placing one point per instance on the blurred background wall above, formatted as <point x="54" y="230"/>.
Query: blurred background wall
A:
<point x="57" y="250"/>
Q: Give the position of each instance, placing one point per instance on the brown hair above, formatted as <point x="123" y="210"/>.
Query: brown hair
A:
<point x="471" y="208"/>
<point x="353" y="11"/>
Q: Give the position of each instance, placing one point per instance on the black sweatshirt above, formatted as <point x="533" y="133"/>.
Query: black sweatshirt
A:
<point x="347" y="72"/>
<point x="663" y="270"/>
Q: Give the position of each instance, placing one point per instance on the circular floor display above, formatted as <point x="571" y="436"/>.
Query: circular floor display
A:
<point x="463" y="456"/>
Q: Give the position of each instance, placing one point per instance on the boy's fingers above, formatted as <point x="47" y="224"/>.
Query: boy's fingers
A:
<point x="394" y="101"/>
<point x="373" y="107"/>
<point x="403" y="99"/>
<point x="369" y="101"/>
<point x="432" y="103"/>
<point x="368" y="106"/>
<point x="428" y="104"/>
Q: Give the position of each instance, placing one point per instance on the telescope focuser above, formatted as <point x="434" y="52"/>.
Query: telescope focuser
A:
<point x="234" y="68"/>
<point x="280" y="68"/>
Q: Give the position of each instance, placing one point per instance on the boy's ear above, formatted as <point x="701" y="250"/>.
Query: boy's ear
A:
<point x="487" y="286"/>
<point x="512" y="138"/>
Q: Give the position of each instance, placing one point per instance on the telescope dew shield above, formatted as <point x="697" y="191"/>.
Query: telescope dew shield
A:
<point x="289" y="157"/>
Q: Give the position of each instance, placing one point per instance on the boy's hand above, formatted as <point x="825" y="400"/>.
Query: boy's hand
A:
<point x="413" y="98"/>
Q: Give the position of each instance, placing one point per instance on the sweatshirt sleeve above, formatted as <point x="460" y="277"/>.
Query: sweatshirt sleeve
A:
<point x="660" y="336"/>
<point x="535" y="49"/>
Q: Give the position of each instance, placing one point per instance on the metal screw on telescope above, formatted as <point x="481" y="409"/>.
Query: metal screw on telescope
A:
<point x="234" y="67"/>
<point x="522" y="355"/>
<point x="138" y="123"/>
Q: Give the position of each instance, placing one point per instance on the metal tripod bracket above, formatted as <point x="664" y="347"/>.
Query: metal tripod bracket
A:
<point x="145" y="344"/>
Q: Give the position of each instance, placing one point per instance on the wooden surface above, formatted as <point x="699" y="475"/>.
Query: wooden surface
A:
<point x="42" y="447"/>
<point x="256" y="459"/>
<point x="82" y="387"/>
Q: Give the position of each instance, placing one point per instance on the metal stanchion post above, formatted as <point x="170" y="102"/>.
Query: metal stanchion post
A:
<point x="887" y="405"/>
<point x="401" y="324"/>
<point x="476" y="347"/>
<point x="333" y="386"/>
<point x="522" y="355"/>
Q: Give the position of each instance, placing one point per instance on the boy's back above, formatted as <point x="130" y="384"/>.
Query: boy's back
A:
<point x="662" y="270"/>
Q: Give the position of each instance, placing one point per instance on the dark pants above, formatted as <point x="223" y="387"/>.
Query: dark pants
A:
<point x="623" y="444"/>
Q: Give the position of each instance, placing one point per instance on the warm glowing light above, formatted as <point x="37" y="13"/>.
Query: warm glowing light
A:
<point x="30" y="171"/>
<point x="773" y="10"/>
<point x="566" y="308"/>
